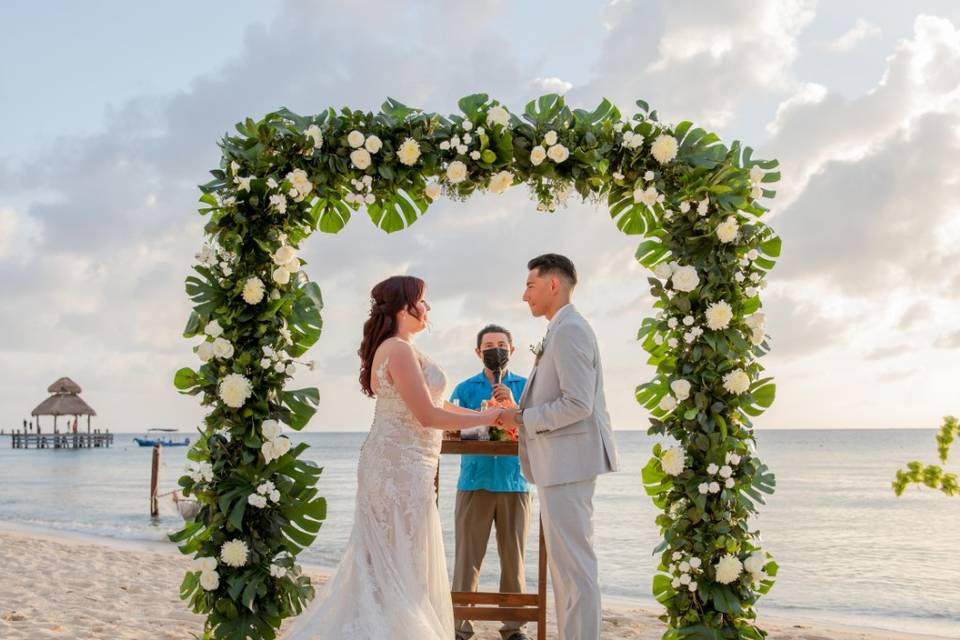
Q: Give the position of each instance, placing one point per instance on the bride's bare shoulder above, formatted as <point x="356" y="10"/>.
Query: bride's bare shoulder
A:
<point x="394" y="348"/>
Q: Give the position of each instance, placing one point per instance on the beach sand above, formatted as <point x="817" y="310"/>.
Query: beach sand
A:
<point x="55" y="585"/>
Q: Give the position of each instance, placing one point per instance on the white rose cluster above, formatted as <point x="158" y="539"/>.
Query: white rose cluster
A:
<point x="266" y="492"/>
<point x="209" y="578"/>
<point x="314" y="138"/>
<point x="632" y="140"/>
<point x="300" y="185"/>
<point x="234" y="553"/>
<point x="499" y="116"/>
<point x="756" y="178"/>
<point x="200" y="471"/>
<point x="648" y="196"/>
<point x="756" y="322"/>
<point x="287" y="263"/>
<point x="684" y="568"/>
<point x="274" y="444"/>
<point x="501" y="181"/>
<point x="754" y="565"/>
<point x="363" y="191"/>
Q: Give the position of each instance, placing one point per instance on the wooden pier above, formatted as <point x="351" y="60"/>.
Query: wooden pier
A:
<point x="95" y="440"/>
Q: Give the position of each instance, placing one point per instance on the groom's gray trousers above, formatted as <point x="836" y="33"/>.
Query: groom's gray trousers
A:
<point x="567" y="512"/>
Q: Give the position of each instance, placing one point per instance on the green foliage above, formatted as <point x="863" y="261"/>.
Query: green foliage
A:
<point x="285" y="176"/>
<point x="932" y="476"/>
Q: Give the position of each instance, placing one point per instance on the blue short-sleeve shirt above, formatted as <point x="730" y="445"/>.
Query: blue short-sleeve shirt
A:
<point x="498" y="474"/>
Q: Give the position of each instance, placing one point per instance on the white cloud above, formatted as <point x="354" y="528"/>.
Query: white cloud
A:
<point x="860" y="31"/>
<point x="552" y="85"/>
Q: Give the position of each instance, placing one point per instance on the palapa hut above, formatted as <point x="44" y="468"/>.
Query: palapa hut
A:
<point x="65" y="401"/>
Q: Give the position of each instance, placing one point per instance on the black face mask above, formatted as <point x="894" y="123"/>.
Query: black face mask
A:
<point x="496" y="360"/>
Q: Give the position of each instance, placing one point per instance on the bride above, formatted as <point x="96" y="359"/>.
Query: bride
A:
<point x="392" y="578"/>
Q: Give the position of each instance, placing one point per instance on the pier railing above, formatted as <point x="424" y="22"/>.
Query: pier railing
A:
<point x="97" y="440"/>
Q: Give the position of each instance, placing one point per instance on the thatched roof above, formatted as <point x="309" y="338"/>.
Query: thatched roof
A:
<point x="64" y="401"/>
<point x="64" y="385"/>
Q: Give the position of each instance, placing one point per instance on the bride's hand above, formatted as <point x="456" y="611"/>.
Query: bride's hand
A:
<point x="492" y="415"/>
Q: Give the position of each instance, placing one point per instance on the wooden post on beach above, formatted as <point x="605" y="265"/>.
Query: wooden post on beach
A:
<point x="154" y="478"/>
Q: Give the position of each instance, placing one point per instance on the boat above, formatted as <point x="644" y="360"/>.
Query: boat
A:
<point x="161" y="436"/>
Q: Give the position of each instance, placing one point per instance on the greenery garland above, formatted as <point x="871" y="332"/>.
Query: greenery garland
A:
<point x="692" y="199"/>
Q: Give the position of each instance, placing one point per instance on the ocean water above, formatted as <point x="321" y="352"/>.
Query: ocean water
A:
<point x="849" y="550"/>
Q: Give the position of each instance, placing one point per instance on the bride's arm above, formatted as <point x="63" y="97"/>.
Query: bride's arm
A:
<point x="458" y="409"/>
<point x="404" y="368"/>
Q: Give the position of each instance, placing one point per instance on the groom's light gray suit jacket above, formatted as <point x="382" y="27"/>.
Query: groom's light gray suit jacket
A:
<point x="566" y="435"/>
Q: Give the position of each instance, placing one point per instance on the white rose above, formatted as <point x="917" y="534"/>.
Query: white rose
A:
<point x="370" y="198"/>
<point x="692" y="586"/>
<point x="685" y="279"/>
<point x="729" y="483"/>
<point x="668" y="403"/>
<point x="498" y="115"/>
<point x="739" y="277"/>
<point x="684" y="207"/>
<point x="253" y="291"/>
<point x="757" y="192"/>
<point x="291" y="369"/>
<point x="558" y="153"/>
<point x="672" y="323"/>
<point x="432" y="190"/>
<point x="279" y="202"/>
<point x="474" y="155"/>
<point x="756" y="174"/>
<point x="373" y="144"/>
<point x="281" y="275"/>
<point x="462" y="149"/>
<point x="445" y="145"/>
<point x="278" y="367"/>
<point x="703" y="488"/>
<point x="647" y="196"/>
<point x="456" y="172"/>
<point x="409" y="152"/>
<point x="712" y="468"/>
<point x="274" y="496"/>
<point x="360" y="158"/>
<point x="736" y="382"/>
<point x="756" y="320"/>
<point x="265" y="363"/>
<point x="205" y="351"/>
<point x="755" y="563"/>
<point x="714" y="487"/>
<point x="271" y="429"/>
<point x="537" y="155"/>
<point x="662" y="271"/>
<point x="501" y="181"/>
<point x="209" y="580"/>
<point x="265" y="488"/>
<point x="719" y="315"/>
<point x="757" y="336"/>
<point x="672" y="460"/>
<point x="688" y="320"/>
<point x="355" y="139"/>
<point x="728" y="569"/>
<point x="753" y="254"/>
<point x="277" y="571"/>
<point x="725" y="471"/>
<point x="293" y="266"/>
<point x="681" y="389"/>
<point x="222" y="349"/>
<point x="550" y="138"/>
<point x="733" y="459"/>
<point x="235" y="390"/>
<point x="298" y="180"/>
<point x="727" y="230"/>
<point x="685" y="567"/>
<point x="664" y="148"/>
<point x="750" y="292"/>
<point x="206" y="563"/>
<point x="467" y="125"/>
<point x="234" y="167"/>
<point x="672" y="343"/>
<point x="467" y="138"/>
<point x="675" y="583"/>
<point x="703" y="206"/>
<point x="256" y="500"/>
<point x="685" y="578"/>
<point x="234" y="553"/>
<point x="313" y="131"/>
<point x="213" y="329"/>
<point x="695" y="562"/>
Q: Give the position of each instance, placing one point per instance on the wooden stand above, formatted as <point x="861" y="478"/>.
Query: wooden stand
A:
<point x="524" y="607"/>
<point x="154" y="480"/>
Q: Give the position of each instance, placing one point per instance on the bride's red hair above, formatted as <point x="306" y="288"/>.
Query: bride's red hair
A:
<point x="387" y="299"/>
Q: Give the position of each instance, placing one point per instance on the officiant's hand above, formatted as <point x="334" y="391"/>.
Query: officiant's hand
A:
<point x="503" y="394"/>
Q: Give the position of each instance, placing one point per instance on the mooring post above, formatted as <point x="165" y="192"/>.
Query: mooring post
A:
<point x="154" y="478"/>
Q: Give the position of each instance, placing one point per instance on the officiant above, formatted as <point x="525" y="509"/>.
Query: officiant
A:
<point x="491" y="490"/>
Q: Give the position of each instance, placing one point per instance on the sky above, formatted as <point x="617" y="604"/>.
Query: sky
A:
<point x="113" y="111"/>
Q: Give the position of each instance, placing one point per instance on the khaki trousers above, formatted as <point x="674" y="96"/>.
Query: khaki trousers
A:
<point x="476" y="512"/>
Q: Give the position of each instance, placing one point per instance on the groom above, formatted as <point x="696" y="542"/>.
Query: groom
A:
<point x="565" y="441"/>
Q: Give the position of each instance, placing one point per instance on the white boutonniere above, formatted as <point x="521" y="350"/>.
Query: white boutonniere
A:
<point x="537" y="350"/>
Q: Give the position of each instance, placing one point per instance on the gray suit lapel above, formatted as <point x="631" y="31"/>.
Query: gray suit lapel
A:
<point x="546" y="343"/>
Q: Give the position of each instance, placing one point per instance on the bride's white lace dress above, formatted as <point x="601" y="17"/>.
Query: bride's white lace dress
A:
<point x="392" y="579"/>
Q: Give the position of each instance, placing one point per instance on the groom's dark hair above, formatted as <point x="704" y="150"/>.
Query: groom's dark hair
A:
<point x="554" y="264"/>
<point x="493" y="328"/>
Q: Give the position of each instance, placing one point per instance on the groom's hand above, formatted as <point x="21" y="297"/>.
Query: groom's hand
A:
<point x="508" y="419"/>
<point x="503" y="394"/>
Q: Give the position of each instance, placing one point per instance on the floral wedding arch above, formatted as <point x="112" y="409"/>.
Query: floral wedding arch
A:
<point x="693" y="201"/>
